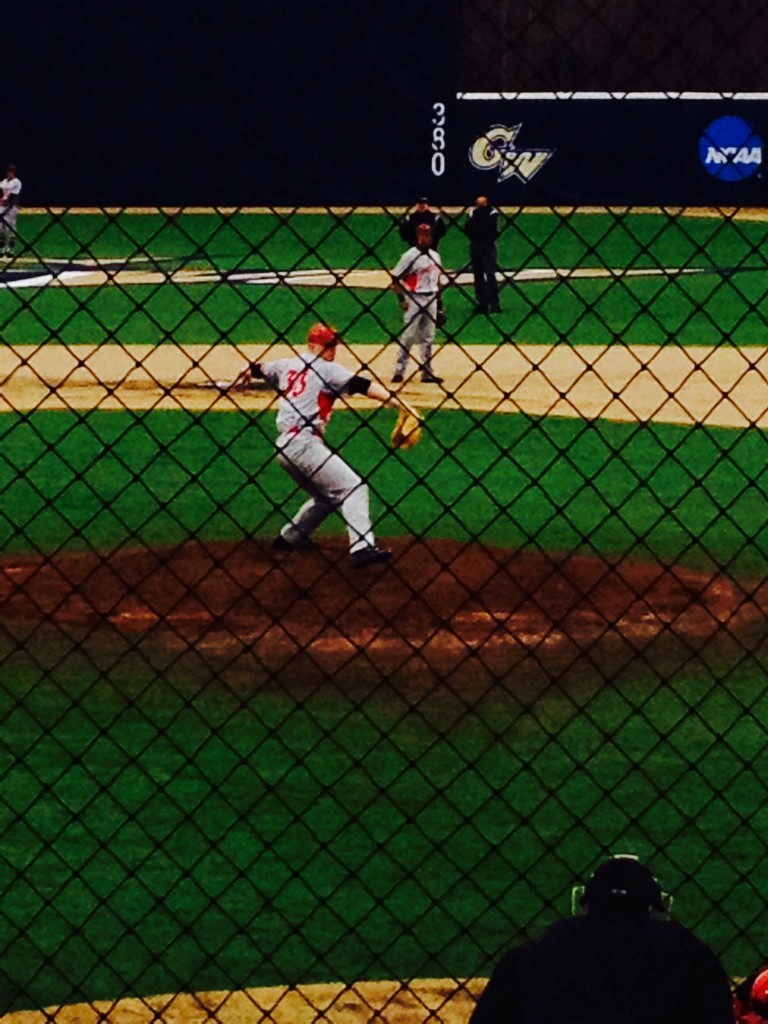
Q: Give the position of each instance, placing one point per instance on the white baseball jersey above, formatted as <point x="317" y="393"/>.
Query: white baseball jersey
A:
<point x="11" y="191"/>
<point x="308" y="386"/>
<point x="419" y="271"/>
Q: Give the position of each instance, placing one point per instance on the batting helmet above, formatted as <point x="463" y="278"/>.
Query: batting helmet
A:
<point x="758" y="996"/>
<point x="623" y="887"/>
<point x="322" y="335"/>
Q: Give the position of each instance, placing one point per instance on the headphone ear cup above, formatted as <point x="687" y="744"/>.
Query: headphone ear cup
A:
<point x="578" y="899"/>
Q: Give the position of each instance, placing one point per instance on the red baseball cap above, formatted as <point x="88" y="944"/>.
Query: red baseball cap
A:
<point x="322" y="335"/>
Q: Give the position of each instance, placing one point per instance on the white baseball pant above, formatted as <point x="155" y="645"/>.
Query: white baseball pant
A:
<point x="331" y="484"/>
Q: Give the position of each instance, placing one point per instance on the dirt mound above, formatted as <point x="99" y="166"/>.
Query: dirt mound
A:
<point x="440" y="602"/>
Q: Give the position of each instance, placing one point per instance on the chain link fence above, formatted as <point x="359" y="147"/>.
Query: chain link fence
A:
<point x="240" y="781"/>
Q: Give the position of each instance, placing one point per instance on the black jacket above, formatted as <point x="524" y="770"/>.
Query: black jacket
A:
<point x="409" y="224"/>
<point x="483" y="226"/>
<point x="591" y="970"/>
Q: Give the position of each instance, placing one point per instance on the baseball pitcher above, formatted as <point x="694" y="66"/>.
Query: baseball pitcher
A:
<point x="308" y="386"/>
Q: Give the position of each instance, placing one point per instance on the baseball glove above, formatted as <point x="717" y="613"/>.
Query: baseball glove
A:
<point x="440" y="318"/>
<point x="407" y="429"/>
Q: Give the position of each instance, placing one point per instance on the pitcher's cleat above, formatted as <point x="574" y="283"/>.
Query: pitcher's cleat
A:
<point x="285" y="546"/>
<point x="370" y="556"/>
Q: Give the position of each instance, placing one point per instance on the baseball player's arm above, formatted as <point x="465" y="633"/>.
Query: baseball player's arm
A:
<point x="396" y="274"/>
<point x="443" y="280"/>
<point x="407" y="430"/>
<point x="253" y="374"/>
<point x="378" y="392"/>
<point x="399" y="290"/>
<point x="358" y="385"/>
<point x="247" y="377"/>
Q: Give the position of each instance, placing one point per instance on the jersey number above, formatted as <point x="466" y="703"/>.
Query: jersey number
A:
<point x="297" y="383"/>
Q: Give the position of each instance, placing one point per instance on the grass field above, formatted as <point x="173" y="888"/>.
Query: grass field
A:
<point x="725" y="302"/>
<point x="164" y="830"/>
<point x="175" y="823"/>
<point x="660" y="492"/>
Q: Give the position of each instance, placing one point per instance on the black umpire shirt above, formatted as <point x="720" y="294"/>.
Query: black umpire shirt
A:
<point x="409" y="224"/>
<point x="594" y="970"/>
<point x="483" y="226"/>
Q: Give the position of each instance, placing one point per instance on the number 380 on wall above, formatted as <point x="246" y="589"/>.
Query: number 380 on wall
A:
<point x="438" y="139"/>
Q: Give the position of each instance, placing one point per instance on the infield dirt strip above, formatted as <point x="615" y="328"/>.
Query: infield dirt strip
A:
<point x="723" y="387"/>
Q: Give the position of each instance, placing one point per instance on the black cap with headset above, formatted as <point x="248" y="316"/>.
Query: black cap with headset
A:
<point x="621" y="887"/>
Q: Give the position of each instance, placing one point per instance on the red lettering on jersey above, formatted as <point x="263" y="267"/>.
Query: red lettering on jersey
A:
<point x="325" y="405"/>
<point x="410" y="281"/>
<point x="296" y="382"/>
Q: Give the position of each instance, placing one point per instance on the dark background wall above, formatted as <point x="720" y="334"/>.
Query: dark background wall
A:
<point x="245" y="102"/>
<point x="232" y="102"/>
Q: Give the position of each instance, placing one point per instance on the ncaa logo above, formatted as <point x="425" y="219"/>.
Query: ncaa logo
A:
<point x="730" y="149"/>
<point x="496" y="149"/>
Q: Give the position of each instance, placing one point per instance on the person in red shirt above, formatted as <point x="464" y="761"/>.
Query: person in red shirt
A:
<point x="750" y="999"/>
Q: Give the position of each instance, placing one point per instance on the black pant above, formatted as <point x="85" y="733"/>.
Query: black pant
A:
<point x="483" y="261"/>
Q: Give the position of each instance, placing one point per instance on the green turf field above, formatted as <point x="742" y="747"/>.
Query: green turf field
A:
<point x="168" y="826"/>
<point x="658" y="492"/>
<point x="173" y="823"/>
<point x="727" y="302"/>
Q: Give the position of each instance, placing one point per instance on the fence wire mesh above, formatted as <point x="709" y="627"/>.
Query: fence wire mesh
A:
<point x="253" y="779"/>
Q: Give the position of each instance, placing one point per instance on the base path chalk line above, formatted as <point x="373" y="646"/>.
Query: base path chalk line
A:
<point x="96" y="273"/>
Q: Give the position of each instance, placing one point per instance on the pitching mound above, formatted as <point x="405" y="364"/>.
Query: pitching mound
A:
<point x="441" y="604"/>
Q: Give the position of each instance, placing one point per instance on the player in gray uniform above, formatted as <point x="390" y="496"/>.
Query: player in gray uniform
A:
<point x="308" y="385"/>
<point x="416" y="280"/>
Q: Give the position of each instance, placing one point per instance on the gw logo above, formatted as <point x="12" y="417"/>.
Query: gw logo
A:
<point x="496" y="148"/>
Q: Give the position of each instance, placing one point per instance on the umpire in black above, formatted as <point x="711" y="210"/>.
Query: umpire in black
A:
<point x="618" y="961"/>
<point x="423" y="214"/>
<point x="483" y="230"/>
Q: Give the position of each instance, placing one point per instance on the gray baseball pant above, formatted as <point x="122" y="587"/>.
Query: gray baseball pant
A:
<point x="8" y="217"/>
<point x="419" y="326"/>
<point x="331" y="484"/>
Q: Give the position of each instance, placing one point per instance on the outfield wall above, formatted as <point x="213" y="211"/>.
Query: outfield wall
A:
<point x="361" y="104"/>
